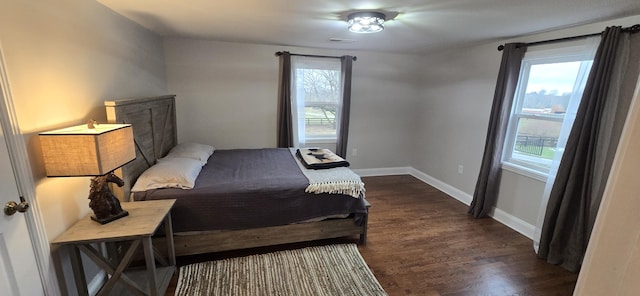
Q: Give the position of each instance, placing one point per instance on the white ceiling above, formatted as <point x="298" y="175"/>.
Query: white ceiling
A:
<point x="420" y="25"/>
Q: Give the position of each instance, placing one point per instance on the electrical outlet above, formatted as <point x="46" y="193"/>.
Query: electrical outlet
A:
<point x="354" y="151"/>
<point x="460" y="169"/>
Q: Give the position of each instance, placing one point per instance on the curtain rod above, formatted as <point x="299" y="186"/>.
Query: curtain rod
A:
<point x="632" y="29"/>
<point x="279" y="53"/>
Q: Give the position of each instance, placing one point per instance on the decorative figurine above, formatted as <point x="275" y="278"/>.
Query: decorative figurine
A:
<point x="104" y="204"/>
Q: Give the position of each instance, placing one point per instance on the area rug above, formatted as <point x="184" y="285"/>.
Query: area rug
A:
<point x="324" y="270"/>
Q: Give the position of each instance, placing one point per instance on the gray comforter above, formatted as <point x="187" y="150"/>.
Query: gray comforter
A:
<point x="250" y="188"/>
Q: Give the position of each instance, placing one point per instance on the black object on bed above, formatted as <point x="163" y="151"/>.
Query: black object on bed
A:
<point x="250" y="188"/>
<point x="319" y="159"/>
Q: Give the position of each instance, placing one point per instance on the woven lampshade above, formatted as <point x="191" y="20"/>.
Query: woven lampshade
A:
<point x="81" y="151"/>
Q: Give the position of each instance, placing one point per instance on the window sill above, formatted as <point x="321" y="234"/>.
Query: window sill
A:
<point x="524" y="171"/>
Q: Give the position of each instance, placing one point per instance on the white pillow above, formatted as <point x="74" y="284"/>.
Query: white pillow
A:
<point x="169" y="173"/>
<point x="197" y="151"/>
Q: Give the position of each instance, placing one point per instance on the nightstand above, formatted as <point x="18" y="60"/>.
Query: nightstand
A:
<point x="144" y="220"/>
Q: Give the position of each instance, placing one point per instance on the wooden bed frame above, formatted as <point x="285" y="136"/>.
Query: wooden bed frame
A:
<point x="155" y="133"/>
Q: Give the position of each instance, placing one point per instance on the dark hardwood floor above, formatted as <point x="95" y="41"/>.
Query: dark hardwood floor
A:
<point x="422" y="242"/>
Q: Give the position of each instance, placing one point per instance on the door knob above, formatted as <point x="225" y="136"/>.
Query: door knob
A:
<point x="12" y="207"/>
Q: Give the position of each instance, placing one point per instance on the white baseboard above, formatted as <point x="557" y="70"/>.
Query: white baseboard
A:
<point x="442" y="186"/>
<point x="499" y="215"/>
<point x="383" y="171"/>
<point x="513" y="222"/>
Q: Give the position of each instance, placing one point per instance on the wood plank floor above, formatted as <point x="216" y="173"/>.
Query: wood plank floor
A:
<point x="422" y="242"/>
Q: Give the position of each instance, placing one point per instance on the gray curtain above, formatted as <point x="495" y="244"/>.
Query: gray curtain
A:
<point x="343" y="128"/>
<point x="486" y="192"/>
<point x="285" y="124"/>
<point x="582" y="175"/>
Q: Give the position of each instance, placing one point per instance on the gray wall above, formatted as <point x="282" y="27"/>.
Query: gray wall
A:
<point x="63" y="59"/>
<point x="227" y="97"/>
<point x="457" y="90"/>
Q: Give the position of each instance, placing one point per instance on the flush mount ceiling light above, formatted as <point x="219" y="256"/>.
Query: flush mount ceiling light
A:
<point x="366" y="22"/>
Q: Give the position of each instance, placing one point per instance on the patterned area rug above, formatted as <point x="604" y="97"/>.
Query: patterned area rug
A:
<point x="324" y="270"/>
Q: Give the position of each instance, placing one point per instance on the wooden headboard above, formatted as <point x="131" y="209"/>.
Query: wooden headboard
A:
<point x="154" y="130"/>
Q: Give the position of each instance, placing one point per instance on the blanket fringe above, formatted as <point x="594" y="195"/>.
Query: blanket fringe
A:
<point x="353" y="189"/>
<point x="340" y="180"/>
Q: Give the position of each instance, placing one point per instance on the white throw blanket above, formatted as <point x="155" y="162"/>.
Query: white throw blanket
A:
<point x="340" y="180"/>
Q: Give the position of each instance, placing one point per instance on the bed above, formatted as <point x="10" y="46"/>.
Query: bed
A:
<point x="235" y="202"/>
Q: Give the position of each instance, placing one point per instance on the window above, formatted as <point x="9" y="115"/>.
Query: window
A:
<point x="316" y="97"/>
<point x="544" y="107"/>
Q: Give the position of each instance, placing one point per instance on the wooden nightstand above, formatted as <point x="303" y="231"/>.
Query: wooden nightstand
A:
<point x="143" y="221"/>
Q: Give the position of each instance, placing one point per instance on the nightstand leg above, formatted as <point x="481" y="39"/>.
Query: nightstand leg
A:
<point x="78" y="271"/>
<point x="168" y="229"/>
<point x="151" y="265"/>
<point x="118" y="272"/>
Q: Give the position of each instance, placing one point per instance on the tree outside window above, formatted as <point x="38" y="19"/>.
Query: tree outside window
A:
<point x="317" y="93"/>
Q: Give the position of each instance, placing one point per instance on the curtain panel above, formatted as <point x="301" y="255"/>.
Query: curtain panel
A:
<point x="583" y="171"/>
<point x="343" y="128"/>
<point x="590" y="45"/>
<point x="487" y="186"/>
<point x="285" y="120"/>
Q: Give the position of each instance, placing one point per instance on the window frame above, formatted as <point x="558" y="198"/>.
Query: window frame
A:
<point x="539" y="168"/>
<point x="314" y="63"/>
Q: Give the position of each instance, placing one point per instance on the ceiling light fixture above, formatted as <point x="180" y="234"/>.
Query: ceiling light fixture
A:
<point x="366" y="22"/>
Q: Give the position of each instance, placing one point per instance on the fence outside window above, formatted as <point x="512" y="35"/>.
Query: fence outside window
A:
<point x="320" y="121"/>
<point x="534" y="145"/>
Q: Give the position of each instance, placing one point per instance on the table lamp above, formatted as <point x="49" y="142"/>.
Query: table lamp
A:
<point x="91" y="150"/>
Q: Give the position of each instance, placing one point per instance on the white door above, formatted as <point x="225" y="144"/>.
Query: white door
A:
<point x="18" y="268"/>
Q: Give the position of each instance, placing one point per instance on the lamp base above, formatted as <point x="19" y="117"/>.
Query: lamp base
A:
<point x="110" y="218"/>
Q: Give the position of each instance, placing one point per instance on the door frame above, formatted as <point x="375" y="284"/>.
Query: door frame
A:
<point x="24" y="181"/>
